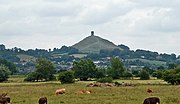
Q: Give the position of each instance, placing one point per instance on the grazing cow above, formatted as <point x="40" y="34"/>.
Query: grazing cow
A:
<point x="152" y="100"/>
<point x="60" y="91"/>
<point x="43" y="100"/>
<point x="4" y="99"/>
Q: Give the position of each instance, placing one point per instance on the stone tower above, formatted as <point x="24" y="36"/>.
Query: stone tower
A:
<point x="92" y="33"/>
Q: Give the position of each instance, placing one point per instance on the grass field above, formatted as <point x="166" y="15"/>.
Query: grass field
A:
<point x="29" y="93"/>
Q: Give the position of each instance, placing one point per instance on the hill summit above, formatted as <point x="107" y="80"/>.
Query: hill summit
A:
<point x="93" y="44"/>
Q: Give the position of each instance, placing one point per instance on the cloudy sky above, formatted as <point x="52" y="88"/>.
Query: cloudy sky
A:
<point x="140" y="24"/>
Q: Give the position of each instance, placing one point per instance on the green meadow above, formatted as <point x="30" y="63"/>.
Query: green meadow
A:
<point x="29" y="93"/>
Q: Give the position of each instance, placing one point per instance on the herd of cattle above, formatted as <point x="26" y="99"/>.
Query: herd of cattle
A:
<point x="4" y="99"/>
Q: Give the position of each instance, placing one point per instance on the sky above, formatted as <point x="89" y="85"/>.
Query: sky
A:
<point x="140" y="24"/>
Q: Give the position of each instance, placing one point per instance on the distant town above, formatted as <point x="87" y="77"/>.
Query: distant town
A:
<point x="92" y="47"/>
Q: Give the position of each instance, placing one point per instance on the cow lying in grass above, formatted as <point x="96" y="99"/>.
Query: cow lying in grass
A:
<point x="83" y="92"/>
<point x="4" y="99"/>
<point x="152" y="100"/>
<point x="43" y="100"/>
<point x="60" y="91"/>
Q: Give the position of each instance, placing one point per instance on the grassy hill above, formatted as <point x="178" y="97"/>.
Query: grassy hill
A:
<point x="93" y="44"/>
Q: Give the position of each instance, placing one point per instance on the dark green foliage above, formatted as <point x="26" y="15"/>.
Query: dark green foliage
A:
<point x="45" y="68"/>
<point x="172" y="76"/>
<point x="101" y="72"/>
<point x="9" y="65"/>
<point x="172" y="65"/>
<point x="4" y="73"/>
<point x="32" y="77"/>
<point x="158" y="74"/>
<point x="128" y="75"/>
<point x="117" y="68"/>
<point x="9" y="55"/>
<point x="135" y="72"/>
<point x="84" y="69"/>
<point x="144" y="75"/>
<point x="44" y="71"/>
<point x="38" y="53"/>
<point x="124" y="47"/>
<point x="65" y="49"/>
<point x="150" y="71"/>
<point x="93" y="56"/>
<point x="66" y="77"/>
<point x="105" y="80"/>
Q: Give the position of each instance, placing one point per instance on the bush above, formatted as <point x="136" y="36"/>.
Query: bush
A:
<point x="105" y="80"/>
<point x="144" y="75"/>
<point x="158" y="74"/>
<point x="32" y="77"/>
<point x="4" y="73"/>
<point x="127" y="75"/>
<point x="66" y="77"/>
<point x="172" y="76"/>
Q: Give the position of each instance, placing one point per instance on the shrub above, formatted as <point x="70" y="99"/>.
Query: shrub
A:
<point x="172" y="76"/>
<point x="66" y="77"/>
<point x="158" y="74"/>
<point x="105" y="80"/>
<point x="127" y="75"/>
<point x="144" y="75"/>
<point x="4" y="72"/>
<point x="31" y="77"/>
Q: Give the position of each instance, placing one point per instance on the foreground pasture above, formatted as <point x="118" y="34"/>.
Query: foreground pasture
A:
<point x="29" y="93"/>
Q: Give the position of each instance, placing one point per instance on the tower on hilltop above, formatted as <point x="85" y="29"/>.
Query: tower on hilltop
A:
<point x="92" y="33"/>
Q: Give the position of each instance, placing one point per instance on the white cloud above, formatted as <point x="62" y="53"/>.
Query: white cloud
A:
<point x="145" y="24"/>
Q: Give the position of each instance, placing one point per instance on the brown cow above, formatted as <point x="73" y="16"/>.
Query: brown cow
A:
<point x="152" y="100"/>
<point x="83" y="92"/>
<point x="43" y="100"/>
<point x="60" y="91"/>
<point x="4" y="99"/>
<point x="149" y="91"/>
<point x="3" y="94"/>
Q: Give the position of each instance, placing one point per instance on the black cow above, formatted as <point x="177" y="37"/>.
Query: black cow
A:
<point x="152" y="100"/>
<point x="43" y="100"/>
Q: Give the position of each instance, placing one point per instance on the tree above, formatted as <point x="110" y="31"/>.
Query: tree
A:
<point x="158" y="74"/>
<point x="117" y="68"/>
<point x="4" y="73"/>
<point x="171" y="65"/>
<point x="144" y="75"/>
<point x="45" y="68"/>
<point x="150" y="71"/>
<point x="66" y="77"/>
<point x="44" y="71"/>
<point x="84" y="69"/>
<point x="101" y="72"/>
<point x="172" y="76"/>
<point x="9" y="65"/>
<point x="128" y="75"/>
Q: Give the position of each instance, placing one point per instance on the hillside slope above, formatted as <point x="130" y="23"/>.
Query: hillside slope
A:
<point x="93" y="44"/>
